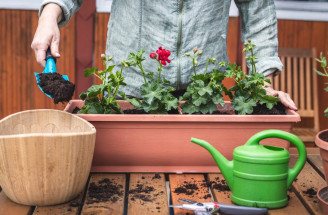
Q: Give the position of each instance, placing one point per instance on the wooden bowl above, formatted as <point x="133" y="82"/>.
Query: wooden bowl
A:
<point x="45" y="156"/>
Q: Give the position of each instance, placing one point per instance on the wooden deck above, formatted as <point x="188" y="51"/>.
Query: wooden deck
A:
<point x="152" y="193"/>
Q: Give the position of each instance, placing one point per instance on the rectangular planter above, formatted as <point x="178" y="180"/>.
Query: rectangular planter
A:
<point x="161" y="143"/>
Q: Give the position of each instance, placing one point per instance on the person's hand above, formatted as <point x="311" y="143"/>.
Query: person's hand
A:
<point x="47" y="33"/>
<point x="284" y="97"/>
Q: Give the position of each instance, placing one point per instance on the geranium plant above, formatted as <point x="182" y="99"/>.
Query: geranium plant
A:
<point x="323" y="63"/>
<point x="156" y="97"/>
<point x="101" y="99"/>
<point x="249" y="90"/>
<point x="204" y="92"/>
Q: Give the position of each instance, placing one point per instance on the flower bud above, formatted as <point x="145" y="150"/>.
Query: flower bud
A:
<point x="196" y="62"/>
<point x="195" y="49"/>
<point x="187" y="54"/>
<point x="110" y="58"/>
<point x="200" y="52"/>
<point x="153" y="55"/>
<point x="103" y="56"/>
<point x="249" y="40"/>
<point x="245" y="44"/>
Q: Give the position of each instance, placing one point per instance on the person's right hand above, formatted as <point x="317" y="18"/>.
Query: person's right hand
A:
<point x="47" y="33"/>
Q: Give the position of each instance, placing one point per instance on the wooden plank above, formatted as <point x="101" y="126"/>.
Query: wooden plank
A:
<point x="289" y="76"/>
<point x="219" y="189"/>
<point x="69" y="208"/>
<point x="295" y="81"/>
<point x="308" y="181"/>
<point x="308" y="84"/>
<point x="223" y="196"/>
<point x="294" y="206"/>
<point x="283" y="75"/>
<point x="9" y="207"/>
<point x="147" y="194"/>
<point x="188" y="186"/>
<point x="105" y="194"/>
<point x="317" y="161"/>
<point x="302" y="84"/>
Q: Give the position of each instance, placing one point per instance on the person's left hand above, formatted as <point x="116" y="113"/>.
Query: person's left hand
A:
<point x="284" y="97"/>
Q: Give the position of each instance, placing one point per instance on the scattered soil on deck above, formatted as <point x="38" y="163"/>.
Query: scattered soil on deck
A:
<point x="218" y="184"/>
<point x="56" y="86"/>
<point x="157" y="176"/>
<point x="142" y="192"/>
<point x="310" y="192"/>
<point x="187" y="188"/>
<point x="105" y="191"/>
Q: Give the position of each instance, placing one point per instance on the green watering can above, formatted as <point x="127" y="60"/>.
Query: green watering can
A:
<point x="258" y="175"/>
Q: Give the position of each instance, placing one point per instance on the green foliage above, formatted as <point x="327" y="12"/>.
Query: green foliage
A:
<point x="100" y="99"/>
<point x="323" y="63"/>
<point x="204" y="92"/>
<point x="156" y="97"/>
<point x="249" y="89"/>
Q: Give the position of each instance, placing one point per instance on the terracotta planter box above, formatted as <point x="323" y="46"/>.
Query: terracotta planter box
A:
<point x="161" y="143"/>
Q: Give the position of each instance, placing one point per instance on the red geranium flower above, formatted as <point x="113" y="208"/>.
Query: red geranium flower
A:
<point x="163" y="55"/>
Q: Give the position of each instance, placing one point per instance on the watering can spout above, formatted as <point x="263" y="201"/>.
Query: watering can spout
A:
<point x="225" y="166"/>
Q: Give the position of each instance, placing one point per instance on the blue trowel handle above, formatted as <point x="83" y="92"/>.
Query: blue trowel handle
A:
<point x="48" y="55"/>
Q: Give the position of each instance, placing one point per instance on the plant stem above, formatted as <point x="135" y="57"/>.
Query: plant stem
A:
<point x="253" y="62"/>
<point x="194" y="65"/>
<point x="208" y="60"/>
<point x="159" y="71"/>
<point x="118" y="84"/>
<point x="143" y="72"/>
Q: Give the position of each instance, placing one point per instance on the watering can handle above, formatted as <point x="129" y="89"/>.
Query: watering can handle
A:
<point x="293" y="172"/>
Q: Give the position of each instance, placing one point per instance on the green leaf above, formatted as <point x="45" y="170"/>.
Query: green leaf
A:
<point x="188" y="108"/>
<point x="243" y="106"/>
<point x="95" y="108"/>
<point x="150" y="75"/>
<point x="320" y="73"/>
<point x="197" y="100"/>
<point x="95" y="90"/>
<point x="170" y="102"/>
<point x="151" y="91"/>
<point x="205" y="90"/>
<point x="83" y="96"/>
<point x="218" y="99"/>
<point x="135" y="102"/>
<point x="90" y="71"/>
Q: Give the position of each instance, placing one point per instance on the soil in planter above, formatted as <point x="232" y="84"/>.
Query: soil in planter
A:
<point x="105" y="191"/>
<point x="261" y="109"/>
<point x="324" y="136"/>
<point x="56" y="86"/>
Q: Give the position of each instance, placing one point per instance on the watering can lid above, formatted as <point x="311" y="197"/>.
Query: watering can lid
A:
<point x="261" y="154"/>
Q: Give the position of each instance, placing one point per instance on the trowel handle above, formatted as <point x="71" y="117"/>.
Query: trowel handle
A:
<point x="49" y="55"/>
<point x="293" y="172"/>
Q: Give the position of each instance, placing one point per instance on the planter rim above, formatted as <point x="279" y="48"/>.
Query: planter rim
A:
<point x="49" y="135"/>
<point x="319" y="197"/>
<point x="291" y="116"/>
<point x="319" y="142"/>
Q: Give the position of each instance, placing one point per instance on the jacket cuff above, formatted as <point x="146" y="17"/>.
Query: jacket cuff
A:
<point x="268" y="66"/>
<point x="66" y="7"/>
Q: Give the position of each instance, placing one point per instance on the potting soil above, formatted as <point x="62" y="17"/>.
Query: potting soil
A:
<point x="56" y="86"/>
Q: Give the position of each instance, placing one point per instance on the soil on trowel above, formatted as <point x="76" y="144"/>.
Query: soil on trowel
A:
<point x="261" y="109"/>
<point x="56" y="86"/>
<point x="105" y="191"/>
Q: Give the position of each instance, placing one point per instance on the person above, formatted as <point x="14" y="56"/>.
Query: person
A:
<point x="176" y="25"/>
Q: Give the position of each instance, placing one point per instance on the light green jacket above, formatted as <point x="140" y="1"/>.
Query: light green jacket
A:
<point x="179" y="26"/>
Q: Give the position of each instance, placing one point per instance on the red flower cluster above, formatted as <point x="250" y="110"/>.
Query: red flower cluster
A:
<point x="163" y="55"/>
